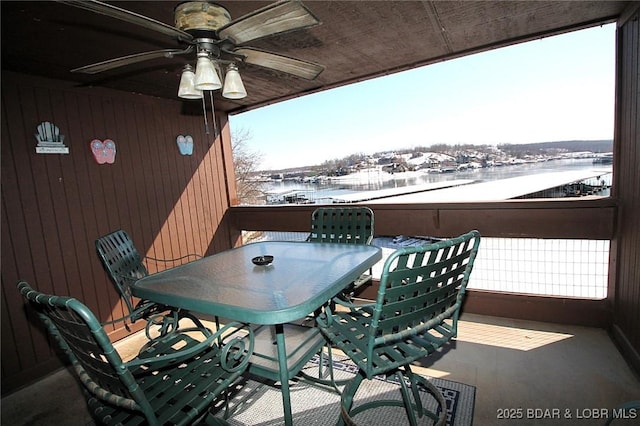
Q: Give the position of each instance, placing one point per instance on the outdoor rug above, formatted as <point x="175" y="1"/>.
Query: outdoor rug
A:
<point x="257" y="403"/>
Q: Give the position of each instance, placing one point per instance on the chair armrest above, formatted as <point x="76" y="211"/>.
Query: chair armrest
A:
<point x="352" y="306"/>
<point x="129" y="278"/>
<point x="129" y="317"/>
<point x="326" y="317"/>
<point x="141" y="310"/>
<point x="233" y="337"/>
<point x="174" y="260"/>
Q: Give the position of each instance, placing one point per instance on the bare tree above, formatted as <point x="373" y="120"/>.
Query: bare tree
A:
<point x="246" y="164"/>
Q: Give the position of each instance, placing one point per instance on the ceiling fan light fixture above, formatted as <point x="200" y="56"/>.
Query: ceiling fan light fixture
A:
<point x="187" y="89"/>
<point x="209" y="28"/>
<point x="206" y="77"/>
<point x="233" y="86"/>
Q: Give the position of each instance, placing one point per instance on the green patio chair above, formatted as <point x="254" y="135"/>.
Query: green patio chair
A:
<point x="173" y="381"/>
<point x="348" y="225"/>
<point x="125" y="265"/>
<point x="415" y="314"/>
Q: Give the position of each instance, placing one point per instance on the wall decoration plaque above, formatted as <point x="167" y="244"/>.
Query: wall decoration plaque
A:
<point x="50" y="141"/>
<point x="185" y="144"/>
<point x="103" y="152"/>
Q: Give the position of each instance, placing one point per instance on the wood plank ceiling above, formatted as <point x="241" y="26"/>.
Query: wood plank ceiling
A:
<point x="357" y="40"/>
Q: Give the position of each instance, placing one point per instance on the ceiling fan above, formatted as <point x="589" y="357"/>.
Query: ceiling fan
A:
<point x="207" y="29"/>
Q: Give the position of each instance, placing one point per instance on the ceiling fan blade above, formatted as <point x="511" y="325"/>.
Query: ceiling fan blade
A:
<point x="131" y="59"/>
<point x="270" y="20"/>
<point x="297" y="67"/>
<point x="129" y="16"/>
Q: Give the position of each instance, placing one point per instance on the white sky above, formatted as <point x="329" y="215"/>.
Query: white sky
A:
<point x="556" y="88"/>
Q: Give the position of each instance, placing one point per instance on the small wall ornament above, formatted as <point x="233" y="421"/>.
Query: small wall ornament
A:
<point x="103" y="152"/>
<point x="185" y="144"/>
<point x="50" y="141"/>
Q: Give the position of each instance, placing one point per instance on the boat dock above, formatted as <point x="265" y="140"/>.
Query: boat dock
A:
<point x="572" y="183"/>
<point x="504" y="189"/>
<point x="395" y="192"/>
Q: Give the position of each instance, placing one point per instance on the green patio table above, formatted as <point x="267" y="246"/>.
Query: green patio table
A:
<point x="302" y="277"/>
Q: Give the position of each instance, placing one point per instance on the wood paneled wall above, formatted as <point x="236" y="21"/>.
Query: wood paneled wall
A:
<point x="626" y="320"/>
<point x="54" y="206"/>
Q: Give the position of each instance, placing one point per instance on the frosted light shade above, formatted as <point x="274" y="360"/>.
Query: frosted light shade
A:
<point x="206" y="75"/>
<point x="233" y="86"/>
<point x="187" y="89"/>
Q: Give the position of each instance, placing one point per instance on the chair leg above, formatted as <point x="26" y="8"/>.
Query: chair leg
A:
<point x="346" y="400"/>
<point x="332" y="377"/>
<point x="416" y="392"/>
<point x="406" y="398"/>
<point x="321" y="379"/>
<point x="411" y="401"/>
<point x="441" y="419"/>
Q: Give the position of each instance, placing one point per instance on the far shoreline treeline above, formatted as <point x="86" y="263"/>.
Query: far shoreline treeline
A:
<point x="516" y="150"/>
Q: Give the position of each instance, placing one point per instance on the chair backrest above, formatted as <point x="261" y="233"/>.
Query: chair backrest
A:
<point x="420" y="288"/>
<point x="351" y="225"/>
<point x="172" y="381"/>
<point x="86" y="344"/>
<point x="123" y="263"/>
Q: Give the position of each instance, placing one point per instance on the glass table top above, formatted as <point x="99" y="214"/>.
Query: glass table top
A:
<point x="300" y="279"/>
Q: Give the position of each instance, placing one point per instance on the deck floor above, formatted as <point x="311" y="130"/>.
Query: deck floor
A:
<point x="541" y="369"/>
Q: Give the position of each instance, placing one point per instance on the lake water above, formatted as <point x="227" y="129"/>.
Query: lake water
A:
<point x="553" y="267"/>
<point x="376" y="180"/>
